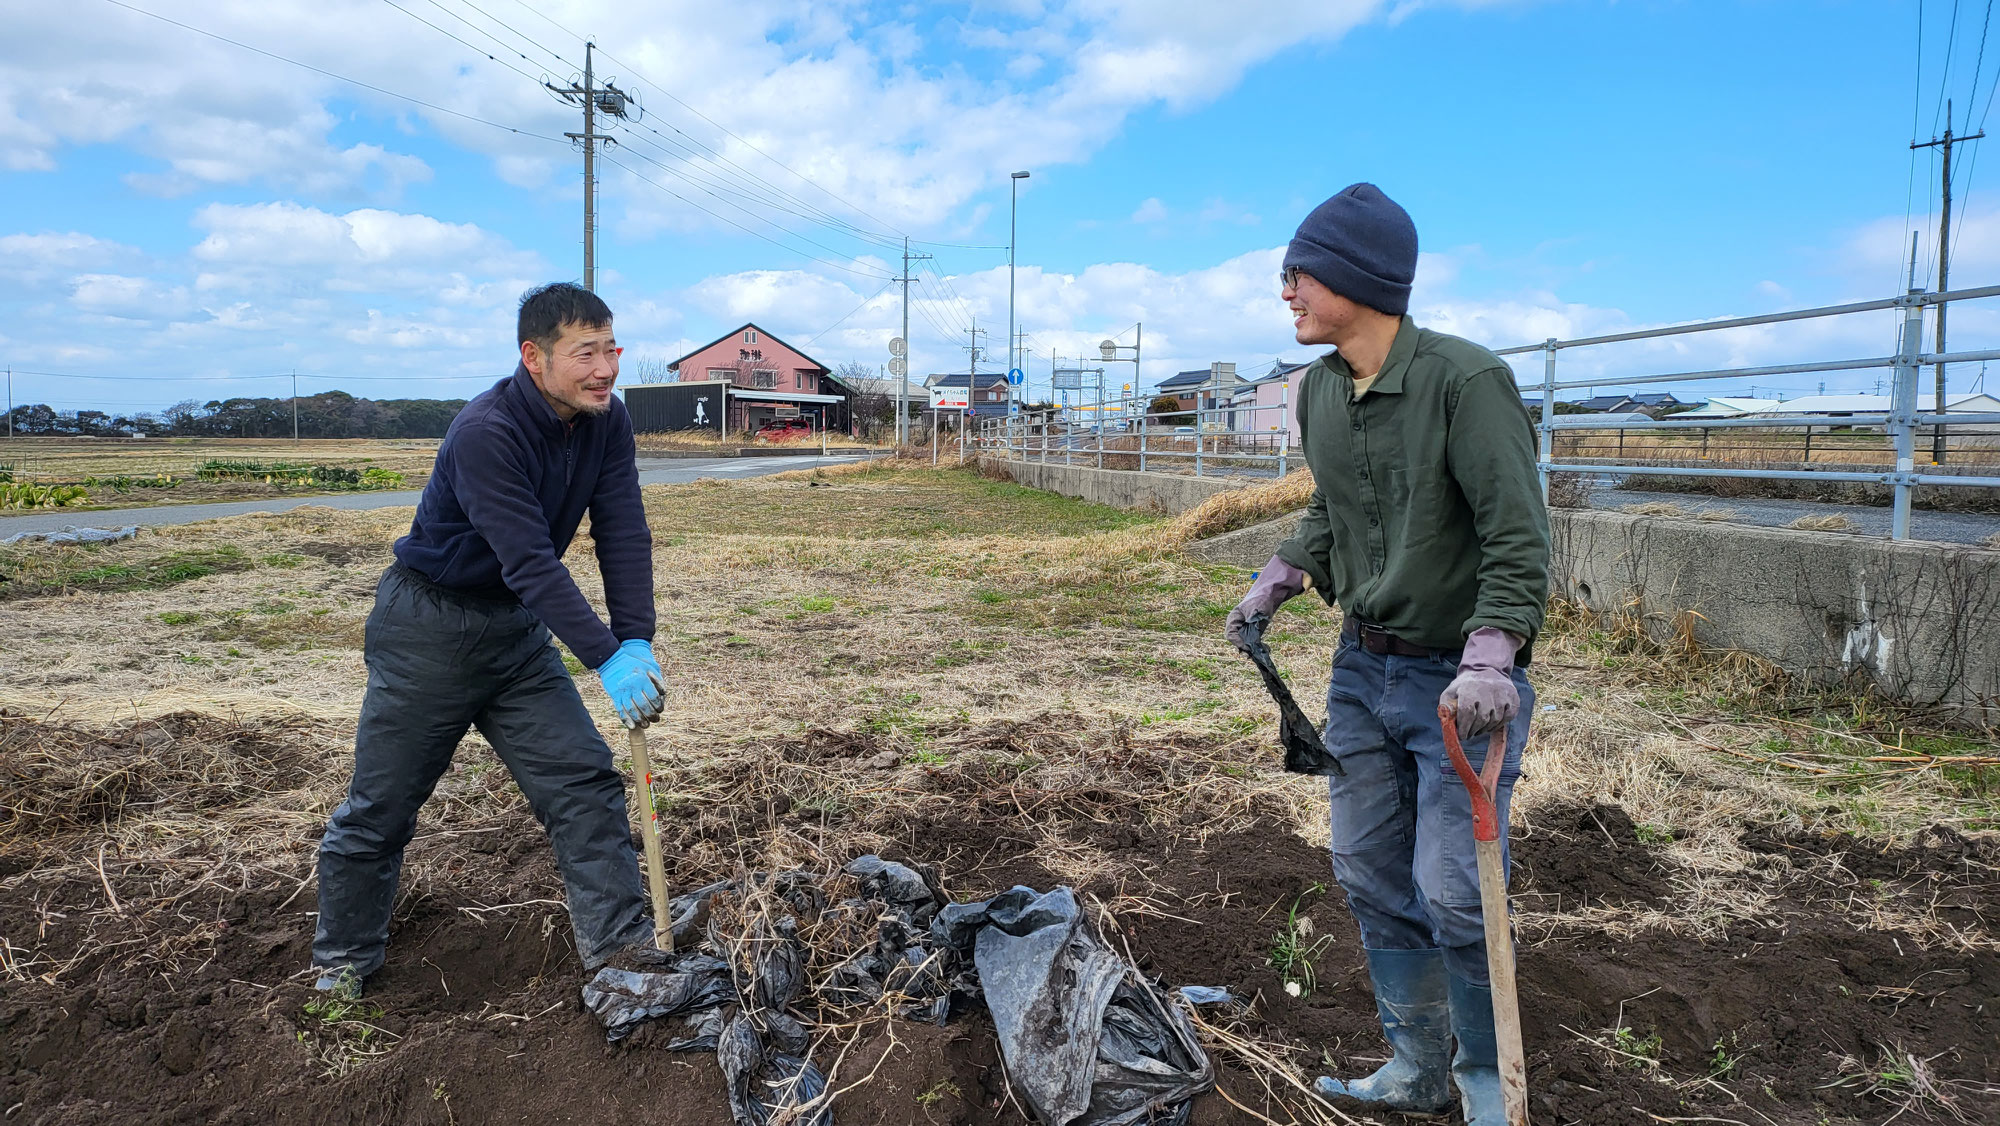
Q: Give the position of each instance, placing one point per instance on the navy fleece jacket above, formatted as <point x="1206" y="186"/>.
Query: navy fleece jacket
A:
<point x="511" y="485"/>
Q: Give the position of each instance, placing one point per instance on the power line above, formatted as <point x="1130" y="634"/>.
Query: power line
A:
<point x="856" y="309"/>
<point x="634" y="71"/>
<point x="503" y="43"/>
<point x="725" y="219"/>
<point x="331" y="74"/>
<point x="461" y="42"/>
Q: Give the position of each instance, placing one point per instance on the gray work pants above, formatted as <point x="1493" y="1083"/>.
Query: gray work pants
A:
<point x="1402" y="820"/>
<point x="440" y="662"/>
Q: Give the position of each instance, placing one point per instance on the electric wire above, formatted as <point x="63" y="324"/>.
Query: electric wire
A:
<point x="332" y="75"/>
<point x="468" y="46"/>
<point x="851" y="312"/>
<point x="636" y="74"/>
<point x="609" y="159"/>
<point x="530" y="40"/>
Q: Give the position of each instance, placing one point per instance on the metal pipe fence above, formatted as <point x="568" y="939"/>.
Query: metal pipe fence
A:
<point x="1235" y="427"/>
<point x="1899" y="424"/>
<point x="1228" y="428"/>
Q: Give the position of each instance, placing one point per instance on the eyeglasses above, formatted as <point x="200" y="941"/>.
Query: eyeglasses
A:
<point x="1289" y="277"/>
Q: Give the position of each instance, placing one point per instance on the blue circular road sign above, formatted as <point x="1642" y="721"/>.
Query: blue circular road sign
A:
<point x="1015" y="377"/>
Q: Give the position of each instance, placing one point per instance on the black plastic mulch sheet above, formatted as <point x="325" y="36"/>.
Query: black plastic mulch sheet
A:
<point x="1086" y="1039"/>
<point x="1305" y="751"/>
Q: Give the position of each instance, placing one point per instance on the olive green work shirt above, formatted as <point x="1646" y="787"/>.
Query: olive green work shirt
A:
<point x="1426" y="515"/>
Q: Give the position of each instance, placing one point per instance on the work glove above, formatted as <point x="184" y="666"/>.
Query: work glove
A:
<point x="1483" y="696"/>
<point x="631" y="677"/>
<point x="1278" y="583"/>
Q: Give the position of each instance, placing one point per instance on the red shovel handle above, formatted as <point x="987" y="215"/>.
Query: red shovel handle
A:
<point x="1483" y="784"/>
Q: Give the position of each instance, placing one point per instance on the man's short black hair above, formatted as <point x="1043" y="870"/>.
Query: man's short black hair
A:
<point x="545" y="309"/>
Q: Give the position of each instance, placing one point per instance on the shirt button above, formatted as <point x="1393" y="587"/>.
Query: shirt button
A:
<point x="1364" y="475"/>
<point x="1357" y="424"/>
<point x="1372" y="522"/>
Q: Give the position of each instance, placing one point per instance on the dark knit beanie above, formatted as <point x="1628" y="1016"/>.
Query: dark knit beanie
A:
<point x="1362" y="245"/>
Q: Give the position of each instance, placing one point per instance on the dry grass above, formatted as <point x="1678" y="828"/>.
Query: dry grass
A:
<point x="1833" y="523"/>
<point x="71" y="459"/>
<point x="1026" y="666"/>
<point x="1240" y="508"/>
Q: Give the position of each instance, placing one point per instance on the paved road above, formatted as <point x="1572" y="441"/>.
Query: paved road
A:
<point x="652" y="471"/>
<point x="1937" y="527"/>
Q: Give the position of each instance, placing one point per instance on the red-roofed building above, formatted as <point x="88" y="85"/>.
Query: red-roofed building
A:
<point x="761" y="378"/>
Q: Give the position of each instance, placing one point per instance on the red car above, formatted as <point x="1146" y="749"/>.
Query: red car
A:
<point x="784" y="430"/>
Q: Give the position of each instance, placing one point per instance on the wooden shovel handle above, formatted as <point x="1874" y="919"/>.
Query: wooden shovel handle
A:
<point x="649" y="829"/>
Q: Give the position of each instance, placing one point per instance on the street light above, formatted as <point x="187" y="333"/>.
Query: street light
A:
<point x="1013" y="209"/>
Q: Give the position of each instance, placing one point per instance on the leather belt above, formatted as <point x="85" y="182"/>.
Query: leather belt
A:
<point x="1381" y="642"/>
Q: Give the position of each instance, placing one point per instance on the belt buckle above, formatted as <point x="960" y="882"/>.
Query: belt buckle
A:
<point x="1381" y="638"/>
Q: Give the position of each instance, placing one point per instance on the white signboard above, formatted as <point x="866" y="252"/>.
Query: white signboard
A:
<point x="948" y="398"/>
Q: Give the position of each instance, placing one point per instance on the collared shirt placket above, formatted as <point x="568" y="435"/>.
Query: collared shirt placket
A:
<point x="1364" y="480"/>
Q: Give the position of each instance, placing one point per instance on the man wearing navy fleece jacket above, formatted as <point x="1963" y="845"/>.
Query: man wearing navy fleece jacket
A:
<point x="459" y="638"/>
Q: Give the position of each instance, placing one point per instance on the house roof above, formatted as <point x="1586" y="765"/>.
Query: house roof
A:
<point x="1879" y="404"/>
<point x="1728" y="407"/>
<point x="958" y="379"/>
<point x="1602" y="402"/>
<point x="1197" y="377"/>
<point x="888" y="387"/>
<point x="761" y="332"/>
<point x="782" y="396"/>
<point x="1279" y="370"/>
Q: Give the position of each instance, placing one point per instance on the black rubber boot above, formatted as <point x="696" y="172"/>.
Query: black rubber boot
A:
<point x="1412" y="997"/>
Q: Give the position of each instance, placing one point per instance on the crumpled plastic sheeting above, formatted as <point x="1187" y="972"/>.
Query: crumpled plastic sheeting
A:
<point x="1086" y="1039"/>
<point x="1305" y="750"/>
<point x="73" y="534"/>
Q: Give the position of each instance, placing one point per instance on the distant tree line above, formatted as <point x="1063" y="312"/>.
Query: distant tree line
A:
<point x="330" y="414"/>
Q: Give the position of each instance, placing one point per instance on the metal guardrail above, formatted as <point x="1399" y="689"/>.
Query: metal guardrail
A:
<point x="1901" y="422"/>
<point x="1229" y="436"/>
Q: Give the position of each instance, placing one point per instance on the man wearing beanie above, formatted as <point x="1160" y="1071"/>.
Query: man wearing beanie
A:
<point x="1426" y="526"/>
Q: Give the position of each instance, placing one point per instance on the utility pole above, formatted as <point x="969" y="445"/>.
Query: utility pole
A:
<point x="903" y="380"/>
<point x="612" y="102"/>
<point x="1944" y="144"/>
<point x="10" y="402"/>
<point x="295" y="406"/>
<point x="971" y="388"/>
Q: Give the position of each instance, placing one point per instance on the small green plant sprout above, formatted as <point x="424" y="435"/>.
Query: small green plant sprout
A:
<point x="816" y="604"/>
<point x="1297" y="945"/>
<point x="1641" y="1052"/>
<point x="1902" y="1079"/>
<point x="1729" y="1055"/>
<point x="928" y="757"/>
<point x="944" y="1089"/>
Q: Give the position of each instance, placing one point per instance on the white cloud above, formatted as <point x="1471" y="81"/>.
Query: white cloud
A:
<point x="1151" y="211"/>
<point x="1050" y="84"/>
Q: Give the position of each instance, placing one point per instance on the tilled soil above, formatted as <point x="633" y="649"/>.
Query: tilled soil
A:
<point x="1801" y="1017"/>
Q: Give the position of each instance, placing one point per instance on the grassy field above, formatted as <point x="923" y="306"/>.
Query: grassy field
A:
<point x="134" y="472"/>
<point x="930" y="663"/>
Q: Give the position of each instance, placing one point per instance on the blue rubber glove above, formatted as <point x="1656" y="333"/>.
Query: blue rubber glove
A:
<point x="631" y="677"/>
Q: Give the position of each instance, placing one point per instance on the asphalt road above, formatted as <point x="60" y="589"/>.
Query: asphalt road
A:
<point x="652" y="471"/>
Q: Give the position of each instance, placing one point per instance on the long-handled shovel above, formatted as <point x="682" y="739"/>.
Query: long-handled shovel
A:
<point x="649" y="824"/>
<point x="1493" y="907"/>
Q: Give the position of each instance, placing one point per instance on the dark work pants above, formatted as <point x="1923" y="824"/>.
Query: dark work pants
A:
<point x="440" y="662"/>
<point x="1402" y="820"/>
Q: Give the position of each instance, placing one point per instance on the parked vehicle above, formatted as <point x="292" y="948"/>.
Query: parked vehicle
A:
<point x="784" y="430"/>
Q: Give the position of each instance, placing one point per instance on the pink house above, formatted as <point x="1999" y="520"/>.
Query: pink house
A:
<point x="767" y="378"/>
<point x="1268" y="405"/>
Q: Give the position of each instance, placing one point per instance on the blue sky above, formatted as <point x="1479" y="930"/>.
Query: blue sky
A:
<point x="193" y="218"/>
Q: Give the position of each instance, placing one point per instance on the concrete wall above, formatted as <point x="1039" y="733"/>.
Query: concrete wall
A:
<point x="1120" y="488"/>
<point x="1918" y="622"/>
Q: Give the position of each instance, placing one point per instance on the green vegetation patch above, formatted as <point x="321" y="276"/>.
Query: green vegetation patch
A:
<point x="104" y="567"/>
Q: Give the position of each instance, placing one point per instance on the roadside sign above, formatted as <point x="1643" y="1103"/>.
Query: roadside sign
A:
<point x="785" y="410"/>
<point x="948" y="398"/>
<point x="898" y="365"/>
<point x="1015" y="377"/>
<point x="1013" y="408"/>
<point x="899" y="347"/>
